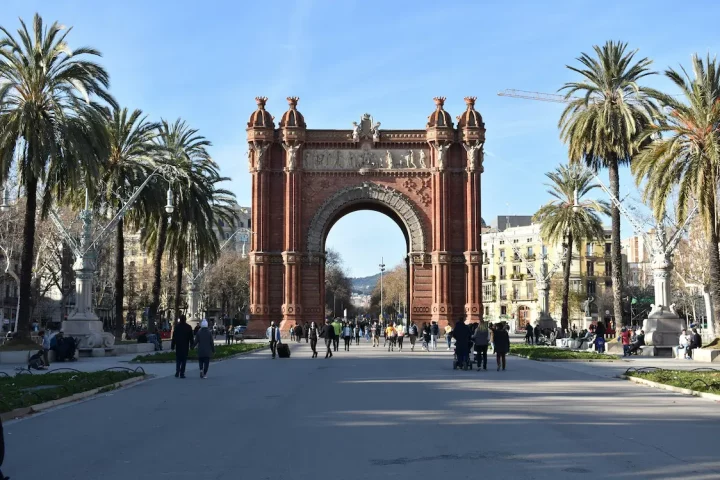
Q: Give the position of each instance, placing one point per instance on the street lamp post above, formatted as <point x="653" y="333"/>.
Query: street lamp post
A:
<point x="382" y="269"/>
<point x="83" y="324"/>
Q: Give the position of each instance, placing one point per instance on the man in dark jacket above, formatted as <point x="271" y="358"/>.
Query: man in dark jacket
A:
<point x="206" y="347"/>
<point x="461" y="334"/>
<point x="181" y="343"/>
<point x="529" y="334"/>
<point x="639" y="342"/>
<point x="536" y="331"/>
<point x="695" y="342"/>
<point x="501" y="341"/>
<point x="328" y="333"/>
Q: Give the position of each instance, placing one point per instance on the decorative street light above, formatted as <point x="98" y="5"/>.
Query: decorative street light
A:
<point x="83" y="323"/>
<point x="382" y="269"/>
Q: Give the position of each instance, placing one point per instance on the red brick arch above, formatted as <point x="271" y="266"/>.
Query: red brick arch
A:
<point x="304" y="181"/>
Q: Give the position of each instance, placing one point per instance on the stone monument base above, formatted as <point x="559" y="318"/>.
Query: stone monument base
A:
<point x="547" y="322"/>
<point x="89" y="333"/>
<point x="662" y="327"/>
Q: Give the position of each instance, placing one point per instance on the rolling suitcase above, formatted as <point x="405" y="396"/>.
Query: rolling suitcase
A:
<point x="283" y="350"/>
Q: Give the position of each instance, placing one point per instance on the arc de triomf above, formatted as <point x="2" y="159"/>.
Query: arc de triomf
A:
<point x="303" y="181"/>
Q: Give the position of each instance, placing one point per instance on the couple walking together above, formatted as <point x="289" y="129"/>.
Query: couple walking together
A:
<point x="184" y="340"/>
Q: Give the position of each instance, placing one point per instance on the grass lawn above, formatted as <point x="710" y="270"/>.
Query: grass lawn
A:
<point x="533" y="352"/>
<point x="26" y="390"/>
<point x="221" y="351"/>
<point x="701" y="381"/>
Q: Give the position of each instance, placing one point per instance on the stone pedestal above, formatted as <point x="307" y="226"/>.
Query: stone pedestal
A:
<point x="88" y="332"/>
<point x="662" y="327"/>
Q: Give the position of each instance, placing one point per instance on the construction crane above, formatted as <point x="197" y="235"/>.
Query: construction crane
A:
<point x="543" y="97"/>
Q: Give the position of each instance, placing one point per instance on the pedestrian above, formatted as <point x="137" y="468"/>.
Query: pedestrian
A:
<point x="328" y="334"/>
<point x="306" y="329"/>
<point x="448" y="336"/>
<point x="385" y="336"/>
<point x="228" y="335"/>
<point x="299" y="334"/>
<point x="695" y="342"/>
<point x="182" y="341"/>
<point x="481" y="339"/>
<point x="461" y="334"/>
<point x="205" y="347"/>
<point x="347" y="336"/>
<point x="337" y="325"/>
<point x="375" y="332"/>
<point x="356" y="330"/>
<point x="434" y="333"/>
<point x="625" y="339"/>
<point x="390" y="335"/>
<point x="400" y="330"/>
<point x="292" y="333"/>
<point x="45" y="348"/>
<point x="426" y="336"/>
<point x="313" y="336"/>
<point x="536" y="331"/>
<point x="273" y="336"/>
<point x="412" y="333"/>
<point x="502" y="345"/>
<point x="683" y="343"/>
<point x="529" y="334"/>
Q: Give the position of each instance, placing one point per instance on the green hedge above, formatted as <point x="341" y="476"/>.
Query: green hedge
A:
<point x="539" y="352"/>
<point x="221" y="351"/>
<point x="21" y="391"/>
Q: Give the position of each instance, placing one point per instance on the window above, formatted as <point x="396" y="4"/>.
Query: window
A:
<point x="516" y="241"/>
<point x="503" y="291"/>
<point x="502" y="242"/>
<point x="608" y="269"/>
<point x="488" y="292"/>
<point x="589" y="249"/>
<point x="590" y="268"/>
<point x="502" y="253"/>
<point x="544" y="250"/>
<point x="575" y="285"/>
<point x="529" y="240"/>
<point x="249" y="225"/>
<point x="530" y="290"/>
<point x="503" y="310"/>
<point x="608" y="283"/>
<point x="529" y="251"/>
<point x="485" y="273"/>
<point x="591" y="287"/>
<point x="502" y="273"/>
<point x="516" y="270"/>
<point x="608" y="248"/>
<point x="487" y="311"/>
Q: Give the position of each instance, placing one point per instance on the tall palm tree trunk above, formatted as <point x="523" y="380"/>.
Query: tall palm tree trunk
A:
<point x="615" y="249"/>
<point x="27" y="256"/>
<point x="119" y="277"/>
<point x="178" y="285"/>
<point x="567" y="267"/>
<point x="157" y="273"/>
<point x="714" y="264"/>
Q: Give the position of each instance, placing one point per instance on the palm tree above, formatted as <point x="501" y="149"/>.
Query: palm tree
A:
<point x="186" y="152"/>
<point x="568" y="218"/>
<point x="131" y="153"/>
<point x="604" y="126"/>
<point x="191" y="238"/>
<point x="685" y="154"/>
<point x="50" y="126"/>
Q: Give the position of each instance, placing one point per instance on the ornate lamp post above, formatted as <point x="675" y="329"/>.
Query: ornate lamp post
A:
<point x="382" y="270"/>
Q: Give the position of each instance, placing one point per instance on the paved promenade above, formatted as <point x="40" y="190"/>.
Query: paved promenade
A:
<point x="373" y="414"/>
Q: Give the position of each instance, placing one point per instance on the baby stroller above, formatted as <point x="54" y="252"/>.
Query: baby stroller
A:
<point x="464" y="364"/>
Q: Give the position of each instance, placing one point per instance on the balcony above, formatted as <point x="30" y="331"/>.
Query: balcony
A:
<point x="502" y="277"/>
<point x="503" y="297"/>
<point x="517" y="276"/>
<point x="490" y="279"/>
<point x="530" y="257"/>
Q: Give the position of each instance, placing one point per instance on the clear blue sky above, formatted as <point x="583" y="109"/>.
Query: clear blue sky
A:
<point x="207" y="60"/>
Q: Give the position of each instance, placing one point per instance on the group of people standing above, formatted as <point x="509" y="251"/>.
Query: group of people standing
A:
<point x="481" y="336"/>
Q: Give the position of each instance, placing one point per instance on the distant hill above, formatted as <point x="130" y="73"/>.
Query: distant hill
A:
<point x="365" y="284"/>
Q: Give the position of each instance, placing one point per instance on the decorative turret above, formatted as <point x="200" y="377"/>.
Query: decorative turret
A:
<point x="470" y="118"/>
<point x="260" y="127"/>
<point x="440" y="126"/>
<point x="292" y="123"/>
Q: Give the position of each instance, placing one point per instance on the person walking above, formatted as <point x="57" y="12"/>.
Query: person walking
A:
<point x="434" y="333"/>
<point x="338" y="332"/>
<point x="205" y="344"/>
<point x="313" y="336"/>
<point x="306" y="330"/>
<point x="182" y="341"/>
<point x="292" y="333"/>
<point x="481" y="340"/>
<point x="536" y="332"/>
<point x="375" y="332"/>
<point x="273" y="336"/>
<point x="426" y="337"/>
<point x="390" y="334"/>
<point x="328" y="333"/>
<point x="347" y="334"/>
<point x="448" y="336"/>
<point x="45" y="349"/>
<point x="356" y="330"/>
<point x="502" y="345"/>
<point x="529" y="334"/>
<point x="400" y="330"/>
<point x="461" y="334"/>
<point x="413" y="333"/>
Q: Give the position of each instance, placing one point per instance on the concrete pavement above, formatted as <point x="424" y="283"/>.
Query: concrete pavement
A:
<point x="373" y="414"/>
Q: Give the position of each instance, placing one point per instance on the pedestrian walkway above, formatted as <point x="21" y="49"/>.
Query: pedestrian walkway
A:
<point x="400" y="415"/>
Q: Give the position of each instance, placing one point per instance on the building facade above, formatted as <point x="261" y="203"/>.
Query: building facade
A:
<point x="513" y="257"/>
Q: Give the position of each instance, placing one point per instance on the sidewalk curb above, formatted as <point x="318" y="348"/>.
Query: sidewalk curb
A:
<point x="211" y="360"/>
<point x="685" y="391"/>
<point x="19" y="413"/>
<point x="571" y="360"/>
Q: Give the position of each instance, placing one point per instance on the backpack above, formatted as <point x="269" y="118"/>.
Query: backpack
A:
<point x="413" y="330"/>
